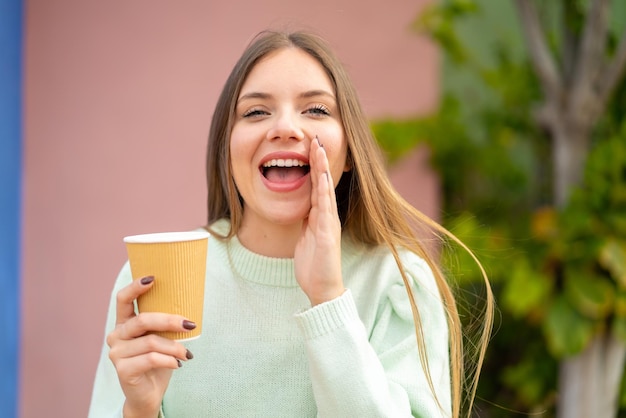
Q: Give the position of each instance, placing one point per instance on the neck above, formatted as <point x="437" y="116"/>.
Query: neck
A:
<point x="270" y="240"/>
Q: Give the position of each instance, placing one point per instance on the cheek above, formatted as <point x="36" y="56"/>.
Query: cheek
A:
<point x="235" y="143"/>
<point x="339" y="168"/>
<point x="238" y="157"/>
<point x="340" y="160"/>
<point x="243" y="142"/>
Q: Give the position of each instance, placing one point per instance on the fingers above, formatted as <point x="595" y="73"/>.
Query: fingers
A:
<point x="132" y="335"/>
<point x="148" y="346"/>
<point x="313" y="164"/>
<point x="147" y="322"/>
<point x="319" y="161"/>
<point x="322" y="179"/>
<point x="133" y="367"/>
<point x="134" y="353"/>
<point x="127" y="295"/>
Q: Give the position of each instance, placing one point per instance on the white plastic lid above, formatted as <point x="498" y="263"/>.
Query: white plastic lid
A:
<point x="166" y="237"/>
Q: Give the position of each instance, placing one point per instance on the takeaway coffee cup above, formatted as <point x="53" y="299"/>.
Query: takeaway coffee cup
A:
<point x="177" y="260"/>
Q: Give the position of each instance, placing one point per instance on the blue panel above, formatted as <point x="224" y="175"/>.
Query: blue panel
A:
<point x="10" y="200"/>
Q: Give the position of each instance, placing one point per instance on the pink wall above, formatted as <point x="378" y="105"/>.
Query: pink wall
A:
<point x="118" y="99"/>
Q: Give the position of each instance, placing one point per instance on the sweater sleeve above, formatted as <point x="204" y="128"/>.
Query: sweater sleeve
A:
<point x="379" y="375"/>
<point x="107" y="398"/>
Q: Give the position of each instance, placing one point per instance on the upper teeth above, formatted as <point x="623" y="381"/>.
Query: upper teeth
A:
<point x="284" y="163"/>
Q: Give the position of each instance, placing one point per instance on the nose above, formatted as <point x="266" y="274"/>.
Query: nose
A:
<point x="286" y="126"/>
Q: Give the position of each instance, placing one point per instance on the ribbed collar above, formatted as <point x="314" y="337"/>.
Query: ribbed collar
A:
<point x="253" y="267"/>
<point x="268" y="271"/>
<point x="260" y="269"/>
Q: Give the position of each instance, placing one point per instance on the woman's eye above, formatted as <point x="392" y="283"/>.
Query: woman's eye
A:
<point x="319" y="110"/>
<point x="254" y="112"/>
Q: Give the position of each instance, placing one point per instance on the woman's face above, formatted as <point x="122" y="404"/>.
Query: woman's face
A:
<point x="286" y="101"/>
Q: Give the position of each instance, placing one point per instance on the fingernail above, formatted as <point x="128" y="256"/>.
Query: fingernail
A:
<point x="188" y="355"/>
<point x="180" y="363"/>
<point x="147" y="280"/>
<point x="318" y="141"/>
<point x="189" y="325"/>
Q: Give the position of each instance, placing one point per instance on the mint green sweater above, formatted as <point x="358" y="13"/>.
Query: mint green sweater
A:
<point x="265" y="352"/>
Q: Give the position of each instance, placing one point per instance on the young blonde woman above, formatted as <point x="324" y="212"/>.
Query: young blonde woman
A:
<point x="320" y="300"/>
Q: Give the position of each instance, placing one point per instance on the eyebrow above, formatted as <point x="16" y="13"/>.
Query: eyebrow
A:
<point x="315" y="93"/>
<point x="305" y="95"/>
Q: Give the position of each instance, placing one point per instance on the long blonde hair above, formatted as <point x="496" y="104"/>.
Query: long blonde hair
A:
<point x="370" y="209"/>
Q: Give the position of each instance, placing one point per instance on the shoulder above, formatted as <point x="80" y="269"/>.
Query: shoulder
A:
<point x="221" y="227"/>
<point x="218" y="233"/>
<point x="380" y="260"/>
<point x="375" y="277"/>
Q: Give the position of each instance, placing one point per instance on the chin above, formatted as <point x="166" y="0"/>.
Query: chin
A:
<point x="290" y="217"/>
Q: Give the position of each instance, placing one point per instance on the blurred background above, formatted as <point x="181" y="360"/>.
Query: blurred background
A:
<point x="504" y="120"/>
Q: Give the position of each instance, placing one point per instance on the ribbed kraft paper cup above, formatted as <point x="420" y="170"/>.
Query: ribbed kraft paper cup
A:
<point x="177" y="260"/>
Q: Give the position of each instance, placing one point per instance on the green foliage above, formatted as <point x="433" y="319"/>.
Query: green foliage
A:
<point x="613" y="260"/>
<point x="590" y="246"/>
<point x="527" y="291"/>
<point x="559" y="275"/>
<point x="567" y="332"/>
<point x="438" y="22"/>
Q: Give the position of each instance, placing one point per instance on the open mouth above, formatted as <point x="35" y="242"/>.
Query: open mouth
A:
<point x="284" y="170"/>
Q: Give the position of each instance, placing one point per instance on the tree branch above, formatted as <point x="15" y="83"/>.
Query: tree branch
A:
<point x="593" y="44"/>
<point x="613" y="72"/>
<point x="541" y="58"/>
<point x="570" y="41"/>
<point x="586" y="105"/>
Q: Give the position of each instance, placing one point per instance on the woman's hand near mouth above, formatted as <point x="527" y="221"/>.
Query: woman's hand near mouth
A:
<point x="318" y="251"/>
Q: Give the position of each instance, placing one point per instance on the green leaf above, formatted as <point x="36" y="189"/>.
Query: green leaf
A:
<point x="544" y="223"/>
<point x="438" y="22"/>
<point x="613" y="259"/>
<point x="526" y="290"/>
<point x="566" y="331"/>
<point x="467" y="229"/>
<point x="592" y="295"/>
<point x="526" y="379"/>
<point x="398" y="137"/>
